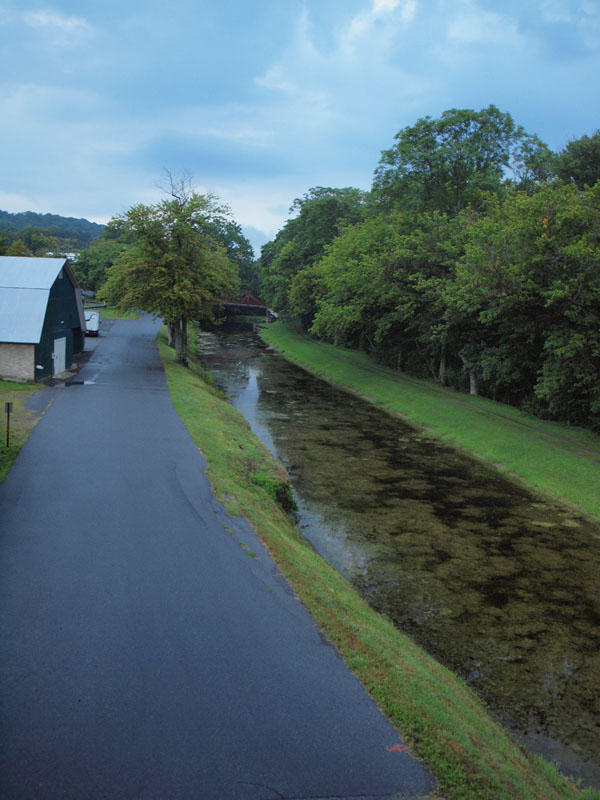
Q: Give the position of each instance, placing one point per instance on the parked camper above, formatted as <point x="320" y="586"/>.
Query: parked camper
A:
<point x="92" y="322"/>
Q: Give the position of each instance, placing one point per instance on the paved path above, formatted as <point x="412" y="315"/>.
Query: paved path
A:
<point x="144" y="654"/>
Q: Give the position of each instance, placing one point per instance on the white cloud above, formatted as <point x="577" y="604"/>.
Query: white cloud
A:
<point x="56" y="21"/>
<point x="340" y="87"/>
<point x="14" y="203"/>
<point x="384" y="6"/>
<point x="556" y="11"/>
<point x="365" y="20"/>
<point x="409" y="10"/>
<point x="473" y="25"/>
<point x="258" y="204"/>
<point x="274" y="78"/>
<point x="25" y="104"/>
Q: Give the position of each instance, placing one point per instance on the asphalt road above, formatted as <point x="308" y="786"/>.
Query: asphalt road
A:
<point x="144" y="653"/>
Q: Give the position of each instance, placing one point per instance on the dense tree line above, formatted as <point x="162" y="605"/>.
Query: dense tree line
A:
<point x="475" y="261"/>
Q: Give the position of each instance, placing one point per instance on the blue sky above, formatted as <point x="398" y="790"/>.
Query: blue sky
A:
<point x="259" y="101"/>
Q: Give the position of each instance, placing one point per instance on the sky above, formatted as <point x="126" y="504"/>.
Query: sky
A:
<point x="260" y="101"/>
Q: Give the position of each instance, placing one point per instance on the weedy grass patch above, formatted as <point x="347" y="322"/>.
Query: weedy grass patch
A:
<point x="559" y="461"/>
<point x="22" y="421"/>
<point x="446" y="724"/>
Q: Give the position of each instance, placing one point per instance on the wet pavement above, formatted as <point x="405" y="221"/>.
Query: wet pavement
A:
<point x="143" y="653"/>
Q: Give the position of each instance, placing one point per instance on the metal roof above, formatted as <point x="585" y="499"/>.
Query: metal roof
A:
<point x="25" y="285"/>
<point x="23" y="272"/>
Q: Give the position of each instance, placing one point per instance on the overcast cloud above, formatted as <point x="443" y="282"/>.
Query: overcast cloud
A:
<point x="261" y="101"/>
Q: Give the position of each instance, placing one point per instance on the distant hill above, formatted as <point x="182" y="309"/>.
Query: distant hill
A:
<point x="79" y="232"/>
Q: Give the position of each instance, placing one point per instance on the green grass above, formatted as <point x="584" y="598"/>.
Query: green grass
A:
<point x="22" y="421"/>
<point x="447" y="726"/>
<point x="559" y="461"/>
<point x="115" y="313"/>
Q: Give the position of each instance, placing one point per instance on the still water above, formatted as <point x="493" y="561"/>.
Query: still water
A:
<point x="500" y="587"/>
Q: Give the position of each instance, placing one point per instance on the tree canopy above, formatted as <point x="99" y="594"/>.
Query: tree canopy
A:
<point x="579" y="161"/>
<point x="447" y="163"/>
<point x="172" y="265"/>
<point x="475" y="263"/>
<point x="320" y="213"/>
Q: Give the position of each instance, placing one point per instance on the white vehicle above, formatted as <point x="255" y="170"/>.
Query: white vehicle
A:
<point x="92" y="322"/>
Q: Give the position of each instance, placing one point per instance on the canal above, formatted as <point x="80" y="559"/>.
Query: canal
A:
<point x="496" y="584"/>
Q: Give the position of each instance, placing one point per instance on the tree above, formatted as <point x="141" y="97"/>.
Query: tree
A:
<point x="446" y="164"/>
<point x="379" y="287"/>
<point x="17" y="248"/>
<point x="579" y="162"/>
<point x="92" y="265"/>
<point x="528" y="291"/>
<point x="73" y="234"/>
<point x="39" y="241"/>
<point x="229" y="233"/>
<point x="172" y="267"/>
<point x="302" y="241"/>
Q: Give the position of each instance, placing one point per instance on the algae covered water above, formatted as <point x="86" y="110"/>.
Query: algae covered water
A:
<point x="499" y="586"/>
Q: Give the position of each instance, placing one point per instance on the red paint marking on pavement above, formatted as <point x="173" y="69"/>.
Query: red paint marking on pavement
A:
<point x="400" y="748"/>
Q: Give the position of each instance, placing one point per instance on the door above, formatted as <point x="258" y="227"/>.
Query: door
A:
<point x="59" y="355"/>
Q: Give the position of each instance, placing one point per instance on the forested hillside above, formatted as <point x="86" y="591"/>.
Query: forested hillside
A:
<point x="29" y="233"/>
<point x="474" y="261"/>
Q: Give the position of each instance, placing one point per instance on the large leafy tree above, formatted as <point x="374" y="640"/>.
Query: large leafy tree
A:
<point x="92" y="265"/>
<point x="320" y="214"/>
<point x="40" y="241"/>
<point x="173" y="266"/>
<point x="579" y="162"/>
<point x="379" y="287"/>
<point x="18" y="248"/>
<point x="529" y="289"/>
<point x="448" y="163"/>
<point x="219" y="227"/>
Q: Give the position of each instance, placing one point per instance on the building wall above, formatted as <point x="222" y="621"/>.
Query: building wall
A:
<point x="62" y="319"/>
<point x="17" y="361"/>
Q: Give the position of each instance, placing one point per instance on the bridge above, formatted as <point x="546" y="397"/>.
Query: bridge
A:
<point x="246" y="303"/>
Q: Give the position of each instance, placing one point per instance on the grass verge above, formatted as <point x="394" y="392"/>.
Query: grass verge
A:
<point x="22" y="421"/>
<point x="559" y="461"/>
<point x="115" y="313"/>
<point x="446" y="724"/>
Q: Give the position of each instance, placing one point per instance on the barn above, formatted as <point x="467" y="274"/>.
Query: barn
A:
<point x="41" y="317"/>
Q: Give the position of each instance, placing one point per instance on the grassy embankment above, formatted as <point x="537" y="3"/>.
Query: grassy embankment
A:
<point x="559" y="461"/>
<point x="115" y="313"/>
<point x="448" y="727"/>
<point x="22" y="420"/>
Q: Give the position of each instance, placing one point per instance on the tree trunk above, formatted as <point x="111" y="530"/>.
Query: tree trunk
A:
<point x="442" y="370"/>
<point x="184" y="341"/>
<point x="178" y="342"/>
<point x="171" y="334"/>
<point x="473" y="389"/>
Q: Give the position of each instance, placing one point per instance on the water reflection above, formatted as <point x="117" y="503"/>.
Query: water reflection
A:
<point x="499" y="586"/>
